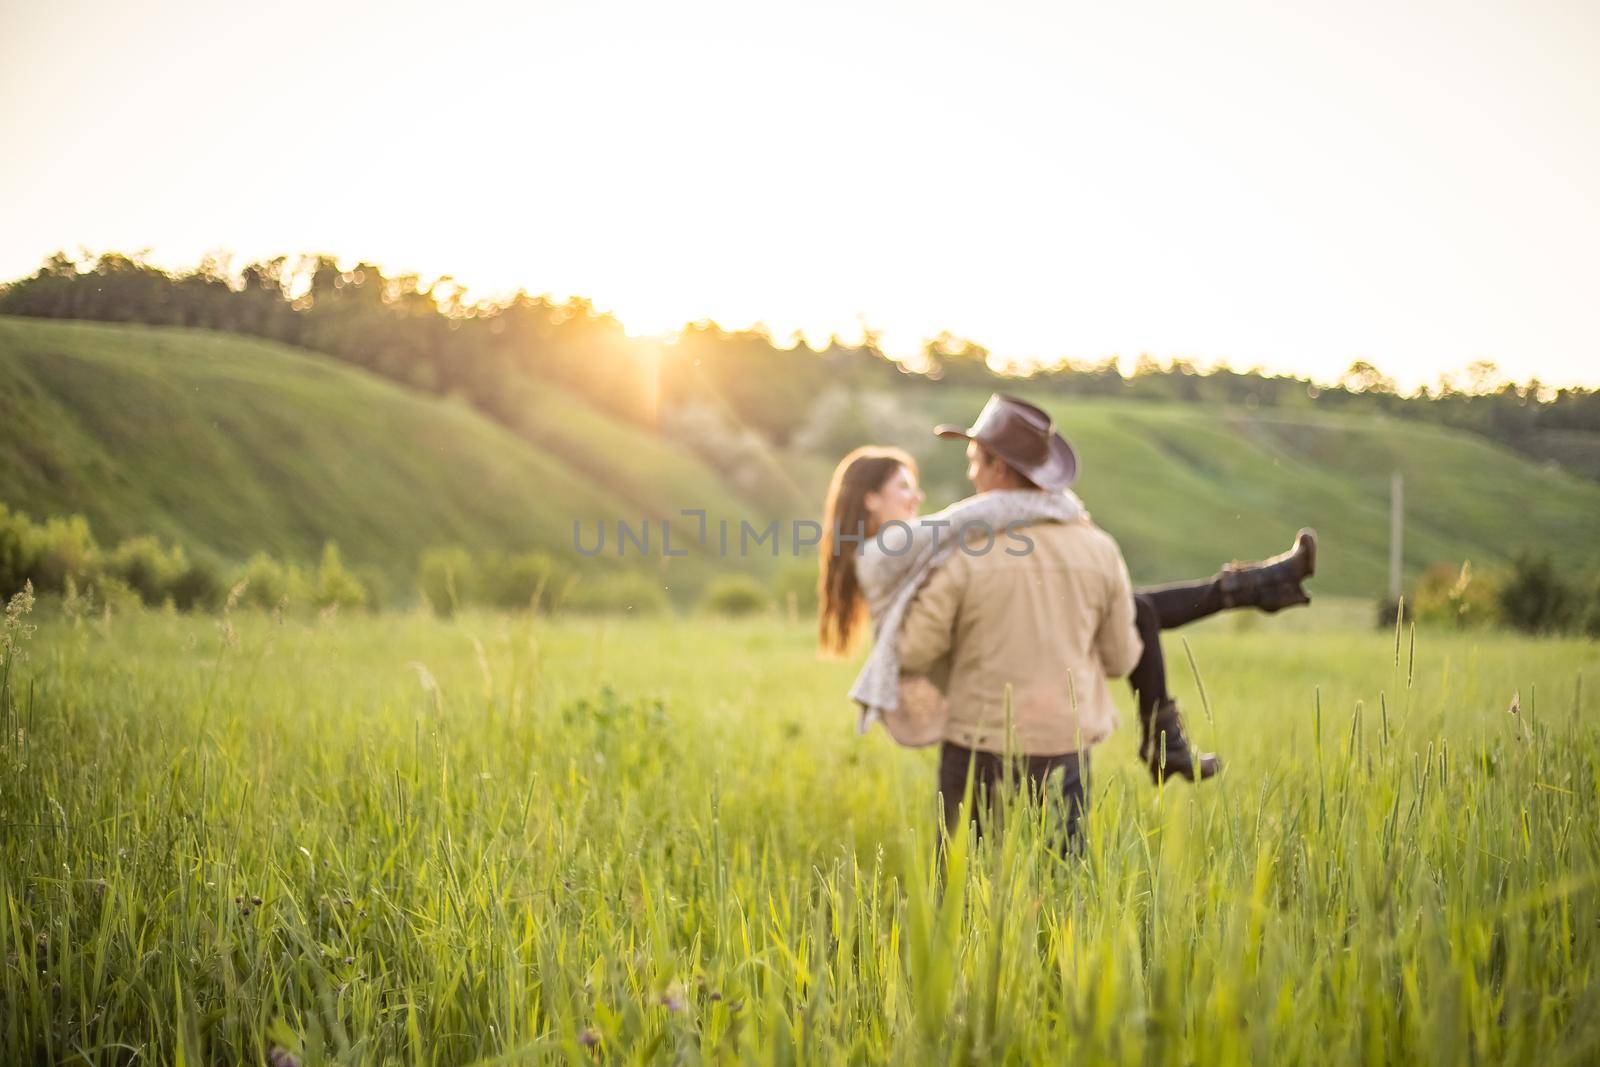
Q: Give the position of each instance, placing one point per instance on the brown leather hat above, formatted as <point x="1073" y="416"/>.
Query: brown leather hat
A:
<point x="1025" y="437"/>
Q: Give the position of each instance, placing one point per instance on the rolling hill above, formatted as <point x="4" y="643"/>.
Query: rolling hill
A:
<point x="1185" y="488"/>
<point x="229" y="445"/>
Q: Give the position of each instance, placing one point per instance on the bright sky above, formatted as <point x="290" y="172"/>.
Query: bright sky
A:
<point x="1413" y="184"/>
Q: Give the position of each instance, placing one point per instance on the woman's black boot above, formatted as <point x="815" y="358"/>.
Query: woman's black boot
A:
<point x="1272" y="584"/>
<point x="1164" y="747"/>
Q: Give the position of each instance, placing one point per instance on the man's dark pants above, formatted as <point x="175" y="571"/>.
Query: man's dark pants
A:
<point x="1050" y="780"/>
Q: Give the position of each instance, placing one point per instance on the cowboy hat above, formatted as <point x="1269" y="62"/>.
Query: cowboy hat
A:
<point x="1025" y="437"/>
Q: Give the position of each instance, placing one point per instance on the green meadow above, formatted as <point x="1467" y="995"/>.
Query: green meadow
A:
<point x="503" y="839"/>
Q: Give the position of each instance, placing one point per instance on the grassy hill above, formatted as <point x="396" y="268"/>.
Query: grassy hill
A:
<point x="1186" y="488"/>
<point x="230" y="445"/>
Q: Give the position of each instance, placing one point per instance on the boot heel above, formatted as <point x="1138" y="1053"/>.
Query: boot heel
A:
<point x="1165" y="748"/>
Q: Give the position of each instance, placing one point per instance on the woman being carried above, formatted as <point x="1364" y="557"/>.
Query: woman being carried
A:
<point x="877" y="552"/>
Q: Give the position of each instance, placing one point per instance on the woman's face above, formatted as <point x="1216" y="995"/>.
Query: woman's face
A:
<point x="898" y="499"/>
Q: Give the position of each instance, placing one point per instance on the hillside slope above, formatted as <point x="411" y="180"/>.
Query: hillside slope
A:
<point x="1185" y="488"/>
<point x="229" y="445"/>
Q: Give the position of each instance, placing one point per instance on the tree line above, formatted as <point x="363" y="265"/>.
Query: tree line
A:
<point x="430" y="337"/>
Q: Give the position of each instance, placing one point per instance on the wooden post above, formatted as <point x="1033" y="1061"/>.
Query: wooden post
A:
<point x="1396" y="531"/>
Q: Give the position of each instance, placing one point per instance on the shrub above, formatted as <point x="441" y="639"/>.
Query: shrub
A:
<point x="528" y="581"/>
<point x="736" y="595"/>
<point x="374" y="582"/>
<point x="1456" y="596"/>
<point x="1591" y="614"/>
<point x="336" y="586"/>
<point x="448" y="579"/>
<point x="268" y="583"/>
<point x="16" y="552"/>
<point x="60" y="555"/>
<point x="797" y="584"/>
<point x="618" y="593"/>
<point x="112" y="594"/>
<point x="62" y="547"/>
<point x="146" y="568"/>
<point x="198" y="587"/>
<point x="1389" y="611"/>
<point x="1534" y="598"/>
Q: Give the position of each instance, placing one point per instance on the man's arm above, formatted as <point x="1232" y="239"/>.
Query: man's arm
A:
<point x="1117" y="640"/>
<point x="930" y="620"/>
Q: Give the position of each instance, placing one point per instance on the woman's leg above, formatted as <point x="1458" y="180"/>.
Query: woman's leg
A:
<point x="1149" y="675"/>
<point x="1178" y="603"/>
<point x="1162" y="744"/>
<point x="1269" y="585"/>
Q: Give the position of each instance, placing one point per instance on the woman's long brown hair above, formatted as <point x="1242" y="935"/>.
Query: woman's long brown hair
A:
<point x="840" y="605"/>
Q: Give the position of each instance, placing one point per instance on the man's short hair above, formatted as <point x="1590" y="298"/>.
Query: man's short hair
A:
<point x="988" y="455"/>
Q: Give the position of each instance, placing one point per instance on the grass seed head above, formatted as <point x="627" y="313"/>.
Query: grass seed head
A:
<point x="673" y="999"/>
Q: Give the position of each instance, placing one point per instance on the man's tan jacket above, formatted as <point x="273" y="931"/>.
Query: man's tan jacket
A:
<point x="1055" y="621"/>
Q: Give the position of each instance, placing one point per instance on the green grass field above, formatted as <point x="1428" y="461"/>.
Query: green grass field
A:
<point x="395" y="839"/>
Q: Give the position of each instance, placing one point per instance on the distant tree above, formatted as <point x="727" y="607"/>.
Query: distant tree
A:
<point x="1534" y="597"/>
<point x="957" y="360"/>
<point x="1483" y="376"/>
<point x="1363" y="377"/>
<point x="744" y="376"/>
